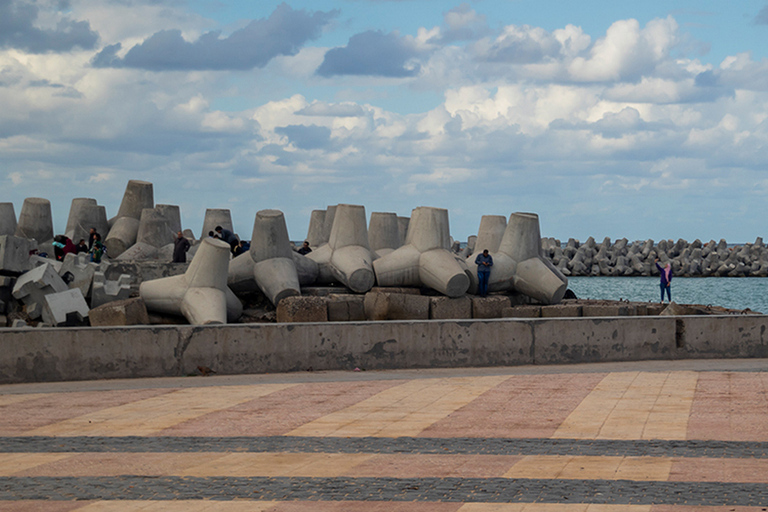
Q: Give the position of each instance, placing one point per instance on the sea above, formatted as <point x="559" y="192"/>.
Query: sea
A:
<point x="729" y="292"/>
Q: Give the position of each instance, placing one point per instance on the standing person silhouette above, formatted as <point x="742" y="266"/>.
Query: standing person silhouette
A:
<point x="666" y="280"/>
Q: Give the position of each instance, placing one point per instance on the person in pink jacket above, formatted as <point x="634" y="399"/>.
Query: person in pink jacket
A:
<point x="666" y="280"/>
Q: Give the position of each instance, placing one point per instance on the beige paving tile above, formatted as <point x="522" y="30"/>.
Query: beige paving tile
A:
<point x="21" y="397"/>
<point x="279" y="464"/>
<point x="403" y="410"/>
<point x="150" y="416"/>
<point x="634" y="405"/>
<point x="12" y="463"/>
<point x="591" y="468"/>
<point x="178" y="506"/>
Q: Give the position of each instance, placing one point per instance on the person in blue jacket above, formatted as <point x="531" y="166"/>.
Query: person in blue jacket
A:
<point x="484" y="263"/>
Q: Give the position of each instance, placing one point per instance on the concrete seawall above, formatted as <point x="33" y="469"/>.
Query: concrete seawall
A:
<point x="36" y="355"/>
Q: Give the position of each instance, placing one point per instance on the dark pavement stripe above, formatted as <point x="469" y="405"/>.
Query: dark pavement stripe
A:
<point x="416" y="445"/>
<point x="482" y="490"/>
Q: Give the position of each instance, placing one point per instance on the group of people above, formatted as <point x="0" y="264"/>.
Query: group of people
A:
<point x="63" y="245"/>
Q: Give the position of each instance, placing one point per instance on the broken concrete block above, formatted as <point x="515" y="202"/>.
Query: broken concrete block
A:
<point x="302" y="309"/>
<point x="521" y="312"/>
<point x="82" y="270"/>
<point x="65" y="308"/>
<point x="38" y="261"/>
<point x="346" y="308"/>
<point x="14" y="253"/>
<point x="103" y="291"/>
<point x="120" y="312"/>
<point x="561" y="311"/>
<point x="31" y="287"/>
<point x="396" y="306"/>
<point x="444" y="308"/>
<point x="489" y="307"/>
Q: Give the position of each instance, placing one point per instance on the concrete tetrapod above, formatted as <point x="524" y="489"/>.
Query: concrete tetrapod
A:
<point x="85" y="214"/>
<point x="346" y="256"/>
<point x="490" y="232"/>
<point x="216" y="217"/>
<point x="315" y="230"/>
<point x="138" y="196"/>
<point x="7" y="219"/>
<point x="425" y="259"/>
<point x="383" y="233"/>
<point x="274" y="268"/>
<point x="35" y="220"/>
<point x="201" y="294"/>
<point x="518" y="264"/>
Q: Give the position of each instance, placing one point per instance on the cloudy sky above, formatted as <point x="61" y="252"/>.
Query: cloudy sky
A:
<point x="619" y="119"/>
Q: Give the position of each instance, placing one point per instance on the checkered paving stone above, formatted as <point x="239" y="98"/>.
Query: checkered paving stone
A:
<point x="633" y="441"/>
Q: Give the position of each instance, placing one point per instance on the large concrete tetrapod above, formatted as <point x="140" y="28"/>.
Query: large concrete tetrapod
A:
<point x="402" y="229"/>
<point x="518" y="264"/>
<point x="274" y="268"/>
<point x="35" y="220"/>
<point x="216" y="217"/>
<point x="490" y="232"/>
<point x="425" y="259"/>
<point x="347" y="255"/>
<point x="201" y="294"/>
<point x="315" y="230"/>
<point x="85" y="214"/>
<point x="7" y="219"/>
<point x="383" y="233"/>
<point x="155" y="228"/>
<point x="138" y="196"/>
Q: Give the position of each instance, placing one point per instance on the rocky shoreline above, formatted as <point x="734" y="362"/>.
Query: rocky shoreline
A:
<point x="624" y="259"/>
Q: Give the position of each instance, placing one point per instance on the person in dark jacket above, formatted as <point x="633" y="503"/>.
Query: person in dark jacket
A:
<point x="82" y="246"/>
<point x="305" y="249"/>
<point x="484" y="263"/>
<point x="228" y="237"/>
<point x="180" y="248"/>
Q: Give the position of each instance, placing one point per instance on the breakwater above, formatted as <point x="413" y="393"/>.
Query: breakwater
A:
<point x="625" y="258"/>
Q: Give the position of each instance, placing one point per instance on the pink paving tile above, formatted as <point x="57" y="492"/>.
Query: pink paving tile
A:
<point x="16" y="419"/>
<point x="41" y="506"/>
<point x="115" y="464"/>
<point x="437" y="466"/>
<point x="367" y="506"/>
<point x="682" y="508"/>
<point x="730" y="406"/>
<point x="282" y="411"/>
<point x="526" y="406"/>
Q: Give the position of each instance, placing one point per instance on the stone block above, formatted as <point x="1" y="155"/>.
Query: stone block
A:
<point x="65" y="308"/>
<point x="32" y="286"/>
<point x="654" y="309"/>
<point x="302" y="309"/>
<point x="489" y="307"/>
<point x="521" y="312"/>
<point x="396" y="306"/>
<point x="604" y="310"/>
<point x="14" y="253"/>
<point x="346" y="308"/>
<point x="38" y="261"/>
<point x="384" y="289"/>
<point x="104" y="291"/>
<point x="120" y="312"/>
<point x="82" y="270"/>
<point x="445" y="308"/>
<point x="561" y="311"/>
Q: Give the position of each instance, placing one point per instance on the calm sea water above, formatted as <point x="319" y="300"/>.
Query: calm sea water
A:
<point x="729" y="292"/>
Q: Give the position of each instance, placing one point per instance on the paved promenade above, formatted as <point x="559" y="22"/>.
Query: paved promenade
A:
<point x="651" y="436"/>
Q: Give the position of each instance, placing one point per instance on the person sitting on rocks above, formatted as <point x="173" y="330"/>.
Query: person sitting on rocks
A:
<point x="304" y="249"/>
<point x="228" y="237"/>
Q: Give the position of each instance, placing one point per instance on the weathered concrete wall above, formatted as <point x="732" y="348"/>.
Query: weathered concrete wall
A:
<point x="28" y="355"/>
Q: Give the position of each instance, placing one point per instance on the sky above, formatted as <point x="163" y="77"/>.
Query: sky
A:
<point x="607" y="119"/>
